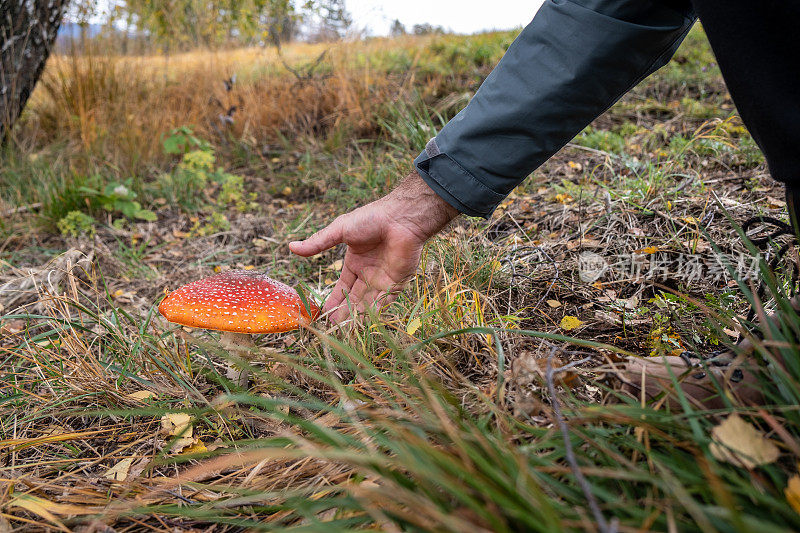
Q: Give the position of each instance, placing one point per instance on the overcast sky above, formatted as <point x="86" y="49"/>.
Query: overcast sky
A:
<point x="465" y="16"/>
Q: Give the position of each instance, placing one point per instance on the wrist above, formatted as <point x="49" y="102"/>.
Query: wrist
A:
<point x="414" y="204"/>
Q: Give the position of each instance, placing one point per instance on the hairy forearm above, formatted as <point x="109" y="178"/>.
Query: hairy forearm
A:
<point x="414" y="204"/>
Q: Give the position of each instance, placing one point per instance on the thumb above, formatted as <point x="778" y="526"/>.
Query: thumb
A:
<point x="327" y="237"/>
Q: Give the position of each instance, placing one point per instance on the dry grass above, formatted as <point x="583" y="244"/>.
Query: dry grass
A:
<point x="118" y="109"/>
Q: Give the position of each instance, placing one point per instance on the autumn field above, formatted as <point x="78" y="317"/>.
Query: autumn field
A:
<point x="485" y="399"/>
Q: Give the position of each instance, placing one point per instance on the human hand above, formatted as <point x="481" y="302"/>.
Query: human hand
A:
<point x="384" y="242"/>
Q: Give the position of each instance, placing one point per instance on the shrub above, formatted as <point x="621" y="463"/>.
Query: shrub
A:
<point x="233" y="193"/>
<point x="118" y="198"/>
<point x="76" y="224"/>
<point x="216" y="223"/>
<point x="188" y="184"/>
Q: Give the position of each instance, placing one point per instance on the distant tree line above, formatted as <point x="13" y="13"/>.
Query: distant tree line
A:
<point x="186" y="24"/>
<point x="398" y="28"/>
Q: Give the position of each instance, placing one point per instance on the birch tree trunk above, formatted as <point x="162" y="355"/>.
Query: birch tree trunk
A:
<point x="28" y="30"/>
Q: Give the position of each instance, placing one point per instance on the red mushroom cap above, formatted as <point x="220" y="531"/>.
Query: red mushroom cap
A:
<point x="239" y="301"/>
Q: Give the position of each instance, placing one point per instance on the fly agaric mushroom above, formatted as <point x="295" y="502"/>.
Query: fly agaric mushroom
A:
<point x="238" y="303"/>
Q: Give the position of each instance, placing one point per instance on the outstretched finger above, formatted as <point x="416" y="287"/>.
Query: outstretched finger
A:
<point x="327" y="237"/>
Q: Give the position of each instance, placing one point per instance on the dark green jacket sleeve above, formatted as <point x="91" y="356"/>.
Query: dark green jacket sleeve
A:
<point x="571" y="63"/>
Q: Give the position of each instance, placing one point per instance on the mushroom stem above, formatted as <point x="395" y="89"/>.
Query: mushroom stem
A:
<point x="240" y="344"/>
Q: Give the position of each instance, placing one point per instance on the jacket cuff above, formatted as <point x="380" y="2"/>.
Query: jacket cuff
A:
<point x="455" y="184"/>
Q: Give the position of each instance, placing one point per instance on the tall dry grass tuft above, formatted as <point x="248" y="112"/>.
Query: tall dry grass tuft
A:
<point x="116" y="109"/>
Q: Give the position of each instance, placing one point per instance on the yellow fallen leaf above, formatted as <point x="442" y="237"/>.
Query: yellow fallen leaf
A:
<point x="142" y="395"/>
<point x="692" y="221"/>
<point x="119" y="472"/>
<point x="564" y="198"/>
<point x="196" y="446"/>
<point x="413" y="325"/>
<point x="570" y="322"/>
<point x="496" y="265"/>
<point x="739" y="442"/>
<point x="336" y="265"/>
<point x="792" y="492"/>
<point x="648" y="250"/>
<point x="554" y="303"/>
<point x="176" y="424"/>
<point x="180" y="444"/>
